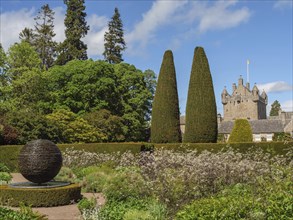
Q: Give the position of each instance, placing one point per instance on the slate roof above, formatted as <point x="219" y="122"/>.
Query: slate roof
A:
<point x="257" y="126"/>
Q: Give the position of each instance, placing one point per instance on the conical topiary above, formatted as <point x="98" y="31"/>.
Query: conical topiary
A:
<point x="165" y="124"/>
<point x="201" y="111"/>
<point x="241" y="132"/>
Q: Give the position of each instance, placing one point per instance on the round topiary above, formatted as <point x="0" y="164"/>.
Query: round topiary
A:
<point x="40" y="161"/>
<point x="241" y="132"/>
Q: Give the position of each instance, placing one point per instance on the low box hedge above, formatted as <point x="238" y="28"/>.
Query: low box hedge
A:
<point x="273" y="148"/>
<point x="40" y="197"/>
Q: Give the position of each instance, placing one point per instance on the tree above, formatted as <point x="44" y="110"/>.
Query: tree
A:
<point x="27" y="35"/>
<point x="201" y="112"/>
<point x="165" y="124"/>
<point x="22" y="57"/>
<point x="44" y="43"/>
<point x="3" y="67"/>
<point x="114" y="41"/>
<point x="275" y="108"/>
<point x="241" y="132"/>
<point x="76" y="28"/>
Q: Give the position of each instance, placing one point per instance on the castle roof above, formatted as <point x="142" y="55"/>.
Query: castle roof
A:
<point x="257" y="126"/>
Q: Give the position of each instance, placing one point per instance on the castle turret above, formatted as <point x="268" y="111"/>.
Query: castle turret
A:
<point x="234" y="87"/>
<point x="248" y="85"/>
<point x="264" y="96"/>
<point x="255" y="93"/>
<point x="240" y="81"/>
<point x="224" y="96"/>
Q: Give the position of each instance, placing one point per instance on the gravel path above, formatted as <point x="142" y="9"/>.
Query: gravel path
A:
<point x="67" y="212"/>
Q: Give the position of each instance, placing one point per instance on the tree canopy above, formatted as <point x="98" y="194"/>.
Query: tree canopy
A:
<point x="241" y="132"/>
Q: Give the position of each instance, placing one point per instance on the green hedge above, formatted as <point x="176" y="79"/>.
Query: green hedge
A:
<point x="40" y="197"/>
<point x="9" y="154"/>
<point x="274" y="148"/>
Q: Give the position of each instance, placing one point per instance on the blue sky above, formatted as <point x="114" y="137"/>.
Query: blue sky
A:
<point x="230" y="31"/>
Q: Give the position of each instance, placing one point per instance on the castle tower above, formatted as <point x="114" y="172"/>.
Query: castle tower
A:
<point x="243" y="102"/>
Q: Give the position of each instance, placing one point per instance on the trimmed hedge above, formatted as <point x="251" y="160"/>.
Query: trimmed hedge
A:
<point x="273" y="148"/>
<point x="40" y="197"/>
<point x="201" y="111"/>
<point x="165" y="124"/>
<point x="241" y="132"/>
<point x="9" y="154"/>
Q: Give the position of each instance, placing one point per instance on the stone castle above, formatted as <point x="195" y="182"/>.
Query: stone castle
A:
<point x="244" y="103"/>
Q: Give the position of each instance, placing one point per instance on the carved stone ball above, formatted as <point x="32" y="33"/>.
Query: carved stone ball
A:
<point x="40" y="161"/>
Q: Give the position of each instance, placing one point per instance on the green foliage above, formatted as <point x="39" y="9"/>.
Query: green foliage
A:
<point x="22" y="57"/>
<point x="134" y="214"/>
<point x="275" y="108"/>
<point x="201" y="111"/>
<point x="27" y="35"/>
<point x="4" y="168"/>
<point x="40" y="197"/>
<point x="282" y="136"/>
<point x="241" y="132"/>
<point x="43" y="39"/>
<point x="86" y="204"/>
<point x="5" y="177"/>
<point x="127" y="183"/>
<point x="73" y="128"/>
<point x="110" y="126"/>
<point x="114" y="40"/>
<point x="25" y="213"/>
<point x="66" y="174"/>
<point x="76" y="28"/>
<point x="165" y="125"/>
<point x="271" y="201"/>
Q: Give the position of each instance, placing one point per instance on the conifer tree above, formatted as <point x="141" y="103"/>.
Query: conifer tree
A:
<point x="275" y="108"/>
<point x="76" y="28"/>
<point x="201" y="111"/>
<point x="165" y="124"/>
<point x="241" y="132"/>
<point x="27" y="35"/>
<point x="114" y="40"/>
<point x="44" y="43"/>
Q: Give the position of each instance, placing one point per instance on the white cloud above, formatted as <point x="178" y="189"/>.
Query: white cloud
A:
<point x="13" y="22"/>
<point x="283" y="4"/>
<point x="279" y="86"/>
<point x="160" y="14"/>
<point x="220" y="17"/>
<point x="287" y="106"/>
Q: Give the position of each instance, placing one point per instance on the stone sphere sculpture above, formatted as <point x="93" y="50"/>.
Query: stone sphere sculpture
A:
<point x="40" y="161"/>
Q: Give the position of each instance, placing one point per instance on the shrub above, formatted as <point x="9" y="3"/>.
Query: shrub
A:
<point x="25" y="213"/>
<point x="86" y="204"/>
<point x="134" y="214"/>
<point x="165" y="125"/>
<point x="201" y="111"/>
<point x="241" y="132"/>
<point x="40" y="197"/>
<point x="67" y="175"/>
<point x="269" y="201"/>
<point x="5" y="177"/>
<point x="4" y="168"/>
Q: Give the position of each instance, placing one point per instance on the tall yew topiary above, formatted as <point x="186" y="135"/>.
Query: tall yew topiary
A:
<point x="201" y="111"/>
<point x="241" y="132"/>
<point x="165" y="124"/>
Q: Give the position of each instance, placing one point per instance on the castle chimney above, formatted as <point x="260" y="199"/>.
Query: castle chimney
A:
<point x="240" y="81"/>
<point x="234" y="87"/>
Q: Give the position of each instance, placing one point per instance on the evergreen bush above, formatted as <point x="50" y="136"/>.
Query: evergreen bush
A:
<point x="201" y="111"/>
<point x="165" y="124"/>
<point x="46" y="197"/>
<point x="241" y="132"/>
